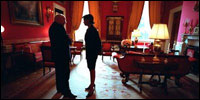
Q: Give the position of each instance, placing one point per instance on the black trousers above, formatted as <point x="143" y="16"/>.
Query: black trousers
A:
<point x="62" y="75"/>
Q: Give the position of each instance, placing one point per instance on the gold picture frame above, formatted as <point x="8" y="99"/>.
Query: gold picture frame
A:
<point x="26" y="12"/>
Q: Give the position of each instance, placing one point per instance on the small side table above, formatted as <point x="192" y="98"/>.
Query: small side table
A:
<point x="156" y="68"/>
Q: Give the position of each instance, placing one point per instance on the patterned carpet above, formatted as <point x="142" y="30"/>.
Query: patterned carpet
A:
<point x="108" y="84"/>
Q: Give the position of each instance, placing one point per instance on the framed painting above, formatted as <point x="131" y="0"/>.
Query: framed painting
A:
<point x="26" y="12"/>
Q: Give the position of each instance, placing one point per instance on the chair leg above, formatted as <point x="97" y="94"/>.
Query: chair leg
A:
<point x="49" y="69"/>
<point x="43" y="70"/>
<point x="102" y="57"/>
<point x="73" y="58"/>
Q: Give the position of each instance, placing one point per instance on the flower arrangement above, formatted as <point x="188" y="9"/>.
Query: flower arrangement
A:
<point x="126" y="43"/>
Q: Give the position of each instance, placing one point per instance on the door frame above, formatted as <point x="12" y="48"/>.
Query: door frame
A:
<point x="170" y="24"/>
<point x="57" y="6"/>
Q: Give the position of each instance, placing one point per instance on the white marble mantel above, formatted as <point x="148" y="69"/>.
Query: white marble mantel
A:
<point x="189" y="39"/>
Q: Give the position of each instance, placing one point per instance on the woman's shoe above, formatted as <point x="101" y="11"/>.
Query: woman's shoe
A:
<point x="90" y="93"/>
<point x="88" y="88"/>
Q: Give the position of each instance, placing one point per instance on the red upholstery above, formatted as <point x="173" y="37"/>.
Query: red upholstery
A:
<point x="128" y="64"/>
<point x="144" y="44"/>
<point x="106" y="49"/>
<point x="75" y="52"/>
<point x="30" y="52"/>
<point x="78" y="45"/>
<point x="106" y="53"/>
<point x="35" y="47"/>
<point x="46" y="44"/>
<point x="38" y="56"/>
<point x="78" y="50"/>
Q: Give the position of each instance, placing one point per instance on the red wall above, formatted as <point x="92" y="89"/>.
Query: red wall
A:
<point x="187" y="13"/>
<point x="166" y="7"/>
<point x="124" y="9"/>
<point x="20" y="31"/>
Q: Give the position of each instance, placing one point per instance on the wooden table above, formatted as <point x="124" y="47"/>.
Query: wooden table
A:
<point x="136" y="49"/>
<point x="156" y="68"/>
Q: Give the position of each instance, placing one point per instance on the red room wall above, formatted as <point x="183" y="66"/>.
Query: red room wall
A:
<point x="24" y="32"/>
<point x="124" y="9"/>
<point x="187" y="13"/>
<point x="166" y="7"/>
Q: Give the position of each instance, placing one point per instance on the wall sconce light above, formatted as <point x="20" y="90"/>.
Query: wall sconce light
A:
<point x="115" y="6"/>
<point x="2" y="30"/>
<point x="48" y="13"/>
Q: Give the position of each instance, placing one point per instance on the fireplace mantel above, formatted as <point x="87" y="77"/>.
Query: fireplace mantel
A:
<point x="189" y="39"/>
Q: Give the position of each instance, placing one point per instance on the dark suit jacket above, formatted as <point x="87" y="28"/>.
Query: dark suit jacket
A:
<point x="92" y="43"/>
<point x="60" y="42"/>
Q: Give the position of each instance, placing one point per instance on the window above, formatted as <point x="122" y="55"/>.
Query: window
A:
<point x="80" y="33"/>
<point x="144" y="25"/>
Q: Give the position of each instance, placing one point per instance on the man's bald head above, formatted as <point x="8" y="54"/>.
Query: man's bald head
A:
<point x="60" y="19"/>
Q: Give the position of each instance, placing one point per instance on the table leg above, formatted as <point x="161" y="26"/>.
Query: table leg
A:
<point x="165" y="84"/>
<point x="140" y="82"/>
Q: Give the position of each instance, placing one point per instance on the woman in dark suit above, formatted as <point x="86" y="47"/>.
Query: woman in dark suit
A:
<point x="93" y="48"/>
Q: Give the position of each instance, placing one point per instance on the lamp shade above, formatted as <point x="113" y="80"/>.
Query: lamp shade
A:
<point x="159" y="31"/>
<point x="2" y="29"/>
<point x="136" y="33"/>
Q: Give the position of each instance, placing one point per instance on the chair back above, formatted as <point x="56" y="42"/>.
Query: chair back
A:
<point x="46" y="54"/>
<point x="106" y="47"/>
<point x="78" y="45"/>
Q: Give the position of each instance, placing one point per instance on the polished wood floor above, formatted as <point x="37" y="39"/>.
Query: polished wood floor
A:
<point x="108" y="85"/>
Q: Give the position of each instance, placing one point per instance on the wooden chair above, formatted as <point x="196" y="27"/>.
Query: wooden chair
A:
<point x="47" y="58"/>
<point x="106" y="49"/>
<point x="77" y="50"/>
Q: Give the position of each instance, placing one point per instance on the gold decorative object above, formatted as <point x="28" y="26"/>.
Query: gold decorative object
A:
<point x="158" y="32"/>
<point x="115" y="6"/>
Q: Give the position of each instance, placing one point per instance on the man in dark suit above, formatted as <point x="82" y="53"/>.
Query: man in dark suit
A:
<point x="61" y="55"/>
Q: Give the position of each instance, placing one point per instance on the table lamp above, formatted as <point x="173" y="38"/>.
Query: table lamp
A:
<point x="136" y="33"/>
<point x="158" y="32"/>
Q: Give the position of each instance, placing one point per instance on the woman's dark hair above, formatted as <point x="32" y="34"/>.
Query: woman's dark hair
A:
<point x="89" y="17"/>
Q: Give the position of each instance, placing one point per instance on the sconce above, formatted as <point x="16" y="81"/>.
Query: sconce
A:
<point x="196" y="6"/>
<point x="2" y="30"/>
<point x="48" y="13"/>
<point x="115" y="6"/>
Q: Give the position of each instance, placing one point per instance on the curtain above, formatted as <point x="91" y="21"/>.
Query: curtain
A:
<point x="77" y="12"/>
<point x="154" y="12"/>
<point x="94" y="9"/>
<point x="136" y="13"/>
